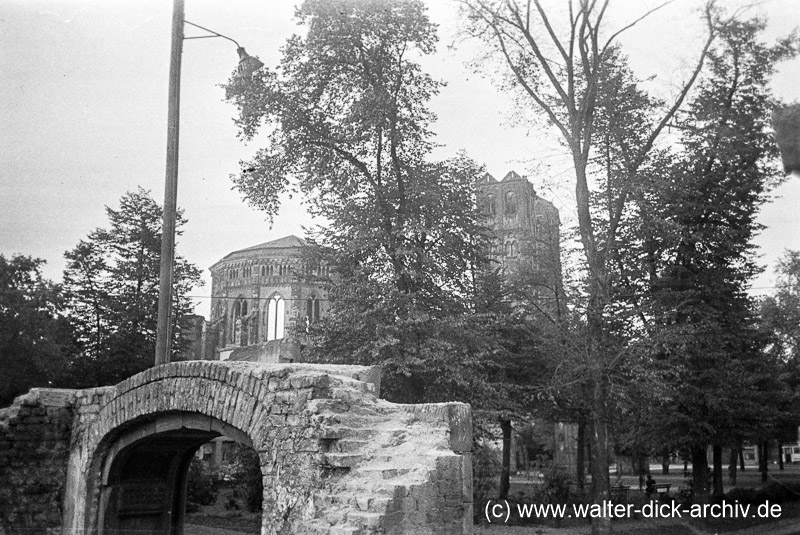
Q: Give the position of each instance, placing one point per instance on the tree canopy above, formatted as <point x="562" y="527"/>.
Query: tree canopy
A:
<point x="347" y="121"/>
<point x="35" y="337"/>
<point x="111" y="292"/>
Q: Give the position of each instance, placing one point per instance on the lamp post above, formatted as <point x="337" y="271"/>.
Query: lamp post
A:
<point x="247" y="65"/>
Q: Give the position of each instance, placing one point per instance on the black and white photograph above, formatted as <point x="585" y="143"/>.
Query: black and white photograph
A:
<point x="399" y="267"/>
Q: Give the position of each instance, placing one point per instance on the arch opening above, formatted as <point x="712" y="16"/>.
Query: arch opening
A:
<point x="144" y="476"/>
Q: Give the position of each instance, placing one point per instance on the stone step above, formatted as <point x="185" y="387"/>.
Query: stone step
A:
<point x="345" y="401"/>
<point x="338" y="431"/>
<point x="351" y="428"/>
<point x="347" y="445"/>
<point x="373" y="503"/>
<point x="340" y="460"/>
<point x="346" y="530"/>
<point x="365" y="519"/>
<point x="385" y="471"/>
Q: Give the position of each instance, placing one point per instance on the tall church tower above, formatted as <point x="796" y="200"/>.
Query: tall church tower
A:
<point x="525" y="227"/>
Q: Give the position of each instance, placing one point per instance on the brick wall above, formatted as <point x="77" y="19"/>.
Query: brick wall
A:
<point x="335" y="458"/>
<point x="34" y="447"/>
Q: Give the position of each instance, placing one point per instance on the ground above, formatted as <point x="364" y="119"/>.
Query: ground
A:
<point x="787" y="524"/>
<point x="216" y="520"/>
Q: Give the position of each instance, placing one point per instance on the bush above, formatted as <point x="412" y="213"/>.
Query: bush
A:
<point x="232" y="504"/>
<point x="202" y="488"/>
<point x="244" y="475"/>
<point x="555" y="487"/>
<point x="485" y="475"/>
<point x="772" y="493"/>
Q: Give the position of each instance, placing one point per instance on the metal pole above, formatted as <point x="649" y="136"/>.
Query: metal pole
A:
<point x="164" y="328"/>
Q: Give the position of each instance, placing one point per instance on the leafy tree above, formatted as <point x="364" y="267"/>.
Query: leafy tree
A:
<point x="111" y="287"/>
<point x="35" y="339"/>
<point x="781" y="311"/>
<point x="348" y="125"/>
<point x="780" y="318"/>
<point x="562" y="77"/>
<point x="787" y="134"/>
<point x="695" y="240"/>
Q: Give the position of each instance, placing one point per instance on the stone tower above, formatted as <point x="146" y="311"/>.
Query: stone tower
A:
<point x="525" y="230"/>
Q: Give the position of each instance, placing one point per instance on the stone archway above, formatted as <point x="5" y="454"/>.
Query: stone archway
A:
<point x="334" y="457"/>
<point x="144" y="474"/>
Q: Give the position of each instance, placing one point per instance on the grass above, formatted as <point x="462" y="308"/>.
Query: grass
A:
<point x="236" y="521"/>
<point x="787" y="522"/>
<point x="216" y="516"/>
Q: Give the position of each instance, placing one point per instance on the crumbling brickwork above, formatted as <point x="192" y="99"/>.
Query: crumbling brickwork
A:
<point x="34" y="446"/>
<point x="334" y="458"/>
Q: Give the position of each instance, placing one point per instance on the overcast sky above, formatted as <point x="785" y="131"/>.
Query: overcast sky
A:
<point x="83" y="100"/>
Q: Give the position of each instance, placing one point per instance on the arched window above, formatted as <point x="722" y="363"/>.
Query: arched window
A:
<point x="491" y="205"/>
<point x="238" y="324"/>
<point x="237" y="332"/>
<point x="312" y="309"/>
<point x="511" y="203"/>
<point x="275" y="318"/>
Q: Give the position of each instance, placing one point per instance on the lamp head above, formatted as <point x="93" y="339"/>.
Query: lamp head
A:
<point x="247" y="64"/>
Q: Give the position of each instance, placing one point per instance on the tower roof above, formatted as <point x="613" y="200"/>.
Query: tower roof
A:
<point x="268" y="248"/>
<point x="280" y="243"/>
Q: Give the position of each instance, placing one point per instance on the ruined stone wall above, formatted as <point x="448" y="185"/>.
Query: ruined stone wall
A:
<point x="335" y="459"/>
<point x="34" y="447"/>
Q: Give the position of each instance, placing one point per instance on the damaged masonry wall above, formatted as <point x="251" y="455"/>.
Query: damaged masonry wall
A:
<point x="335" y="459"/>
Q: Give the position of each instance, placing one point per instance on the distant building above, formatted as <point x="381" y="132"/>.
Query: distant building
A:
<point x="193" y="332"/>
<point x="526" y="233"/>
<point x="526" y="244"/>
<point x="261" y="303"/>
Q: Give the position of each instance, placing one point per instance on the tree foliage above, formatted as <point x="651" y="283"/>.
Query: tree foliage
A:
<point x="348" y="125"/>
<point x="569" y="73"/>
<point x="693" y="253"/>
<point x="780" y="319"/>
<point x="666" y="233"/>
<point x="780" y="312"/>
<point x="35" y="337"/>
<point x="111" y="292"/>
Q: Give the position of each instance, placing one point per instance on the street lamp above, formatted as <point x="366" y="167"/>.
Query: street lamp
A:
<point x="247" y="65"/>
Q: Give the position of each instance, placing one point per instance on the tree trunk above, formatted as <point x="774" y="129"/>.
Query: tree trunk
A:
<point x="589" y="454"/>
<point x="665" y="458"/>
<point x="741" y="458"/>
<point x="732" y="466"/>
<point x="599" y="443"/>
<point x="763" y="459"/>
<point x="780" y="455"/>
<point x="699" y="473"/>
<point x="641" y="469"/>
<point x="718" y="488"/>
<point x="505" y="470"/>
<point x="580" y="458"/>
